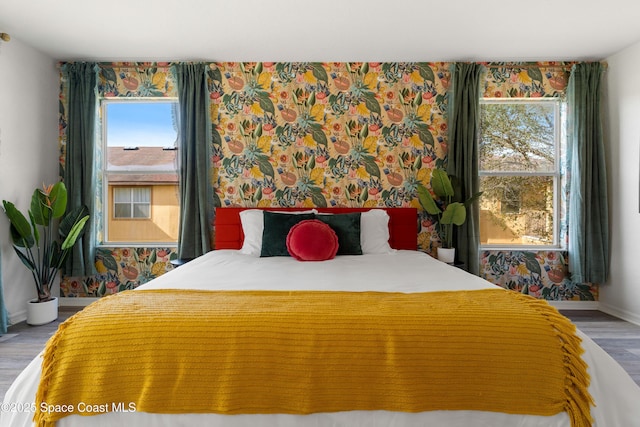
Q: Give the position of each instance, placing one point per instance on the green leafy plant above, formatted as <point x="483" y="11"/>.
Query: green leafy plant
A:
<point x="34" y="240"/>
<point x="448" y="211"/>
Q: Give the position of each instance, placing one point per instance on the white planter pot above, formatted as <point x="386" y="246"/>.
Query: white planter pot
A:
<point x="447" y="255"/>
<point x="41" y="313"/>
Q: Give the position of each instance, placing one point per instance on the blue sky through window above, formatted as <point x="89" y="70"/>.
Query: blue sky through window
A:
<point x="140" y="124"/>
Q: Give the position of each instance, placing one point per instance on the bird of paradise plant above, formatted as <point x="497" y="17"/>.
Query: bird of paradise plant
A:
<point x="34" y="240"/>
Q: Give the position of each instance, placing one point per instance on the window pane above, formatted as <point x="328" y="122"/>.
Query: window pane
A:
<point x="517" y="137"/>
<point x="122" y="195"/>
<point x="140" y="156"/>
<point x="141" y="195"/>
<point x="516" y="210"/>
<point x="141" y="136"/>
<point x="141" y="210"/>
<point x="122" y="210"/>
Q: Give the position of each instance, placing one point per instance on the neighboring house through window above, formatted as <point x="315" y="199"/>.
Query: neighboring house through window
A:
<point x="519" y="152"/>
<point x="140" y="201"/>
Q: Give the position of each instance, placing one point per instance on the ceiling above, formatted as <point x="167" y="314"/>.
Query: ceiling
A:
<point x="323" y="30"/>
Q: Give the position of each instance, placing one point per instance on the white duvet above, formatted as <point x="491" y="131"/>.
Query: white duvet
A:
<point x="617" y="397"/>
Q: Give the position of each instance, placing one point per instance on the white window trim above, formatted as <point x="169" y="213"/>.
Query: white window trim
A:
<point x="556" y="174"/>
<point x="106" y="243"/>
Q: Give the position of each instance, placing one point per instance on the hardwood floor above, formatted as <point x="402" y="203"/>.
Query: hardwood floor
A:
<point x="21" y="344"/>
<point x="619" y="338"/>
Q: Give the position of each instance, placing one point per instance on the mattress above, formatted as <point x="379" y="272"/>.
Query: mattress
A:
<point x="615" y="394"/>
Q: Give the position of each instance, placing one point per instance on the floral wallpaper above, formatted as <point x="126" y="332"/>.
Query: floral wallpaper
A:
<point x="120" y="269"/>
<point x="329" y="134"/>
<point x="541" y="274"/>
<point x="135" y="80"/>
<point x="508" y="80"/>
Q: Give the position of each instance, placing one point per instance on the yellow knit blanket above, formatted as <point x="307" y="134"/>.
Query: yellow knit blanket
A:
<point x="167" y="351"/>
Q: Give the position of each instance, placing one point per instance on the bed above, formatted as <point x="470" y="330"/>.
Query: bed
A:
<point x="390" y="273"/>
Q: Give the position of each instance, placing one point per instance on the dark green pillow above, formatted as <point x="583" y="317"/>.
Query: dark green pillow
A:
<point x="347" y="227"/>
<point x="276" y="228"/>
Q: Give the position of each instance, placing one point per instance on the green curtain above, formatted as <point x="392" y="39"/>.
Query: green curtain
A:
<point x="464" y="114"/>
<point x="195" y="158"/>
<point x="79" y="168"/>
<point x="4" y="317"/>
<point x="588" y="218"/>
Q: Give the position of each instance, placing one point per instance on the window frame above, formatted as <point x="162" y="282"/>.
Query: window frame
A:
<point x="559" y="136"/>
<point x="104" y="171"/>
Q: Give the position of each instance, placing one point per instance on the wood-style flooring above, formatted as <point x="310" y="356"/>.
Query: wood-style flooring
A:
<point x="22" y="343"/>
<point x="618" y="338"/>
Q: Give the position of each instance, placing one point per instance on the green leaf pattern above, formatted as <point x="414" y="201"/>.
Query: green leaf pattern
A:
<point x="541" y="274"/>
<point x="329" y="134"/>
<point x="120" y="269"/>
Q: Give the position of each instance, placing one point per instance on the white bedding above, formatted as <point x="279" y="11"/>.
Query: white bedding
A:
<point x="617" y="397"/>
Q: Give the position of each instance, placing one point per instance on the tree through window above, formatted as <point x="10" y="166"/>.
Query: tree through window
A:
<point x="519" y="149"/>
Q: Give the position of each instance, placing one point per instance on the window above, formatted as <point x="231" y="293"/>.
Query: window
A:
<point x="519" y="149"/>
<point x="132" y="202"/>
<point x="140" y="186"/>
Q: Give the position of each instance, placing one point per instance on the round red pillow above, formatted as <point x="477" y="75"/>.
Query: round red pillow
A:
<point x="312" y="240"/>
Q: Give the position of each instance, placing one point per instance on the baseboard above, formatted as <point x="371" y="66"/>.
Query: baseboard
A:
<point x="620" y="313"/>
<point x="575" y="305"/>
<point x="20" y="316"/>
<point x="75" y="302"/>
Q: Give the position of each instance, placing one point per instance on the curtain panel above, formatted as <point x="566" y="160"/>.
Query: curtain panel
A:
<point x="196" y="202"/>
<point x="79" y="168"/>
<point x="464" y="122"/>
<point x="588" y="221"/>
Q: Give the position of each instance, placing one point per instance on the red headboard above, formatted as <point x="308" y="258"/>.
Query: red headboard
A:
<point x="403" y="226"/>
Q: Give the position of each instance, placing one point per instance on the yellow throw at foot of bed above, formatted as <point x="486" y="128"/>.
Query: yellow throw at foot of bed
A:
<point x="234" y="352"/>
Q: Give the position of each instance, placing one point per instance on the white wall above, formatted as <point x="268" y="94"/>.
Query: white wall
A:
<point x="621" y="294"/>
<point x="28" y="151"/>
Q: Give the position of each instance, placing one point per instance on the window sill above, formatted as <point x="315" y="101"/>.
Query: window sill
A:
<point x="138" y="245"/>
<point x="522" y="248"/>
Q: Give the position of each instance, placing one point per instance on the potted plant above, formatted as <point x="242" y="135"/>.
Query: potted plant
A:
<point x="40" y="249"/>
<point x="448" y="211"/>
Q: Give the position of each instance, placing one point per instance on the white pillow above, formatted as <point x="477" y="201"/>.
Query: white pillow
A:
<point x="252" y="221"/>
<point x="374" y="231"/>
